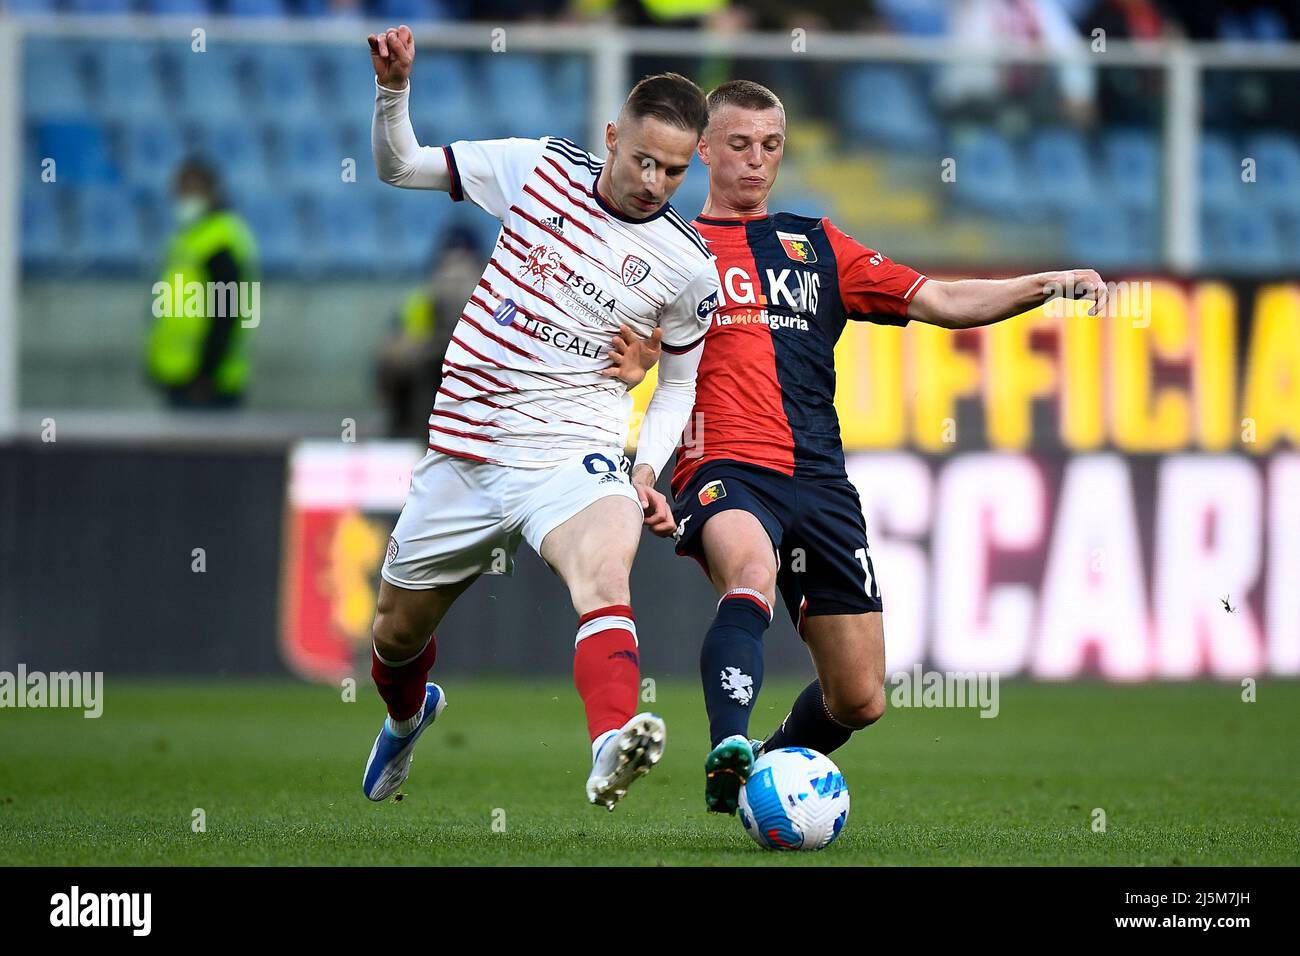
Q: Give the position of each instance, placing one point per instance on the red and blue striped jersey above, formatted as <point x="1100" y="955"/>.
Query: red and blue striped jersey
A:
<point x="766" y="385"/>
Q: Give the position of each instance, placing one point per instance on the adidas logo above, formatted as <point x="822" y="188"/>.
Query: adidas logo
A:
<point x="555" y="224"/>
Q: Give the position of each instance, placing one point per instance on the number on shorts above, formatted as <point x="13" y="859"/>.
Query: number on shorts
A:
<point x="870" y="570"/>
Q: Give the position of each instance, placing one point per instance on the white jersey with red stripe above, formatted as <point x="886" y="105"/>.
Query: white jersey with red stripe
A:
<point x="521" y="383"/>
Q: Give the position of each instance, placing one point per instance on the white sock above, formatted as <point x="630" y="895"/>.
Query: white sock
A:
<point x="403" y="728"/>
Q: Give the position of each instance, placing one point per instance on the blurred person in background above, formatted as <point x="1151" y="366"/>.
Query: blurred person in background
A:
<point x="197" y="354"/>
<point x="1014" y="95"/>
<point x="409" y="367"/>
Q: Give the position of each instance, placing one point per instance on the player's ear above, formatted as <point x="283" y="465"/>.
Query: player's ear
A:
<point x="611" y="138"/>
<point x="702" y="150"/>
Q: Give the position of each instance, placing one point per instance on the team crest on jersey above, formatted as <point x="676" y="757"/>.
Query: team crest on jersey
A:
<point x="712" y="492"/>
<point x="634" y="270"/>
<point x="392" y="550"/>
<point x="540" y="264"/>
<point x="797" y="246"/>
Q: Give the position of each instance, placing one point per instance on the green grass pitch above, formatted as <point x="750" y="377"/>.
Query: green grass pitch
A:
<point x="1186" y="775"/>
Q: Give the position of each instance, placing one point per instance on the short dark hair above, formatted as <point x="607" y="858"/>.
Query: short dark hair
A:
<point x="746" y="94"/>
<point x="671" y="98"/>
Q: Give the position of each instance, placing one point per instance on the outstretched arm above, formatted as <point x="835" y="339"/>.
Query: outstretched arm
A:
<point x="399" y="158"/>
<point x="968" y="303"/>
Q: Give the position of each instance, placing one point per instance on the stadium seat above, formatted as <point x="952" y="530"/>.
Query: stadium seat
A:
<point x="927" y="18"/>
<point x="129" y="83"/>
<point x="405" y="11"/>
<point x="1219" y="172"/>
<point x="32" y="6"/>
<point x="1101" y="235"/>
<point x="570" y="87"/>
<point x="79" y="150"/>
<point x="256" y="8"/>
<point x="150" y="154"/>
<point x="274" y="218"/>
<point x="884" y="106"/>
<point x="44" y="239"/>
<point x="108" y="229"/>
<point x="175" y="8"/>
<point x="518" y="90"/>
<point x="1277" y="168"/>
<point x="282" y="79"/>
<point x="62" y="93"/>
<point x="989" y="177"/>
<point x="214" y="86"/>
<point x="1059" y="169"/>
<point x="310" y="155"/>
<point x="95" y="7"/>
<point x="238" y="151"/>
<point x="1242" y="239"/>
<point x="413" y="222"/>
<point x="347" y="237"/>
<point x="345" y="80"/>
<point x="1130" y="167"/>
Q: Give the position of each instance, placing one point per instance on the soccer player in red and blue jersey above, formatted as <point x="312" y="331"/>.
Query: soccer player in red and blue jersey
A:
<point x="768" y="505"/>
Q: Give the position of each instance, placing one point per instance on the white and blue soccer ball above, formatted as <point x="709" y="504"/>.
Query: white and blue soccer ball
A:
<point x="795" y="799"/>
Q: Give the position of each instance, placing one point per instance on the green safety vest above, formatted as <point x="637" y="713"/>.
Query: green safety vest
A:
<point x="175" y="346"/>
<point x="416" y="315"/>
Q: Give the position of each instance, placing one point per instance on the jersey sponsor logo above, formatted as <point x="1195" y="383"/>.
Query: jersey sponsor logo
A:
<point x="771" y="320"/>
<point x="712" y="492"/>
<point x="634" y="270"/>
<point x="796" y="289"/>
<point x="505" y="312"/>
<point x="589" y="299"/>
<point x="541" y="263"/>
<point x="555" y="224"/>
<point x="707" y="305"/>
<point x="797" y="246"/>
<point x="558" y="338"/>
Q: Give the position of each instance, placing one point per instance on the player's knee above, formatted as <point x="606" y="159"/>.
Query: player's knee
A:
<point x="859" y="710"/>
<point x="755" y="575"/>
<point x="396" y="635"/>
<point x="605" y="584"/>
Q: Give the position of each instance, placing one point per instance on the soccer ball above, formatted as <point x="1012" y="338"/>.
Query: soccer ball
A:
<point x="795" y="799"/>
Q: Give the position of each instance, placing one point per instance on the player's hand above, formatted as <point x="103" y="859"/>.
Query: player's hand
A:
<point x="658" y="516"/>
<point x="392" y="52"/>
<point x="632" y="355"/>
<point x="1086" y="284"/>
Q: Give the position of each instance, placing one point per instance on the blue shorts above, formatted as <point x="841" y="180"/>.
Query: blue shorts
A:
<point x="816" y="526"/>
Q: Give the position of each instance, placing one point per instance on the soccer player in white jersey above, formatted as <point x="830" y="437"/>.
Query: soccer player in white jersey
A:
<point x="527" y="433"/>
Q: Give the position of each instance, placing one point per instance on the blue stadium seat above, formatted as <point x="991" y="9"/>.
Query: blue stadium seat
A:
<point x="345" y="80"/>
<point x="1219" y="172"/>
<point x="403" y="11"/>
<point x="884" y="106"/>
<point x="129" y="83"/>
<point x="282" y="79"/>
<point x="44" y="241"/>
<point x="108" y="229"/>
<point x="238" y="151"/>
<point x="79" y="150"/>
<point x="927" y="18"/>
<point x="212" y="85"/>
<point x="412" y="222"/>
<point x="175" y="8"/>
<point x="347" y="239"/>
<point x="150" y="154"/>
<point x="1277" y="168"/>
<point x="516" y="87"/>
<point x="32" y="6"/>
<point x="274" y="218"/>
<point x="571" y="97"/>
<point x="256" y="8"/>
<point x="1101" y="235"/>
<point x="310" y="155"/>
<point x="109" y="7"/>
<point x="1060" y="170"/>
<point x="1242" y="238"/>
<point x="989" y="177"/>
<point x="1130" y="162"/>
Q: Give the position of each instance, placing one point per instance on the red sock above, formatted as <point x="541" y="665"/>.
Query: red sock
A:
<point x="606" y="667"/>
<point x="402" y="685"/>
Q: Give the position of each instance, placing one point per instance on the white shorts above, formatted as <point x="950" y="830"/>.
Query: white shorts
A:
<point x="464" y="517"/>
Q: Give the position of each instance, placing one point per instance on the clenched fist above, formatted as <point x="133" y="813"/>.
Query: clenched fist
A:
<point x="392" y="52"/>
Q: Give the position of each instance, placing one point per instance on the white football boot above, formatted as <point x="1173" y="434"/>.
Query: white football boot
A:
<point x="620" y="756"/>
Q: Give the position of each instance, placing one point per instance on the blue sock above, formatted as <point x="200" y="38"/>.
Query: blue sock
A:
<point x="731" y="662"/>
<point x="810" y="725"/>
